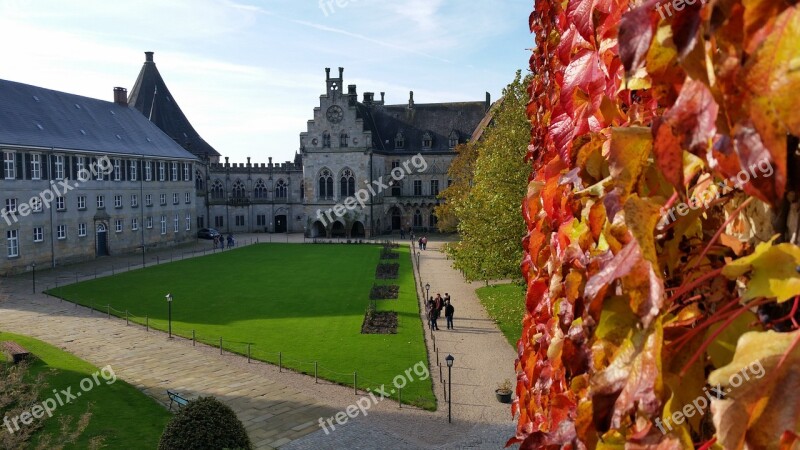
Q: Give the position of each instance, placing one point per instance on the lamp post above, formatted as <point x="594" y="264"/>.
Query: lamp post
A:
<point x="449" y="360"/>
<point x="427" y="289"/>
<point x="417" y="260"/>
<point x="33" y="269"/>
<point x="169" y="316"/>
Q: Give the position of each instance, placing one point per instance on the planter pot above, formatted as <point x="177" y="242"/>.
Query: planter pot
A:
<point x="503" y="396"/>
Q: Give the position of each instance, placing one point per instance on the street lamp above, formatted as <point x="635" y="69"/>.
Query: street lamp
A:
<point x="33" y="268"/>
<point x="449" y="360"/>
<point x="417" y="260"/>
<point x="169" y="302"/>
<point x="427" y="289"/>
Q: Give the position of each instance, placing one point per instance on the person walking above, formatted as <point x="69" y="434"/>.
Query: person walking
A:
<point x="221" y="242"/>
<point x="449" y="310"/>
<point x="431" y="313"/>
<point x="424" y="242"/>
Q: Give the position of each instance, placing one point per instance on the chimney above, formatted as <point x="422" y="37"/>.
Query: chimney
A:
<point x="383" y="94"/>
<point x="488" y="101"/>
<point x="148" y="56"/>
<point x="351" y="89"/>
<point x="121" y="96"/>
<point x="368" y="97"/>
<point x="341" y="73"/>
<point x="410" y="99"/>
<point x="248" y="161"/>
<point x="327" y="73"/>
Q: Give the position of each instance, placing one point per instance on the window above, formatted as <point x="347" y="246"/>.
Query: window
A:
<point x="175" y="198"/>
<point x="133" y="168"/>
<point x="59" y="166"/>
<point x="36" y="204"/>
<point x="218" y="222"/>
<point x="198" y="181"/>
<point x="81" y="230"/>
<point x="395" y="163"/>
<point x="397" y="188"/>
<point x="427" y="141"/>
<point x="11" y="205"/>
<point x="176" y="224"/>
<point x="61" y="232"/>
<point x="452" y="140"/>
<point x="162" y="199"/>
<point x="36" y="166"/>
<point x="163" y="224"/>
<point x="80" y="162"/>
<point x="101" y="201"/>
<point x="148" y="171"/>
<point x="38" y="235"/>
<point x="134" y="224"/>
<point x="186" y="171"/>
<point x="238" y="189"/>
<point x="281" y="190"/>
<point x="188" y="198"/>
<point x="174" y="171"/>
<point x="10" y="169"/>
<point x="118" y="225"/>
<point x="188" y="222"/>
<point x="347" y="184"/>
<point x="325" y="184"/>
<point x="417" y="187"/>
<point x="326" y="140"/>
<point x="261" y="189"/>
<point x="417" y="219"/>
<point x="60" y="204"/>
<point x="201" y="222"/>
<point x="12" y="243"/>
<point x="161" y="171"/>
<point x="302" y="190"/>
<point x="434" y="187"/>
<point x="149" y="223"/>
<point x="217" y="191"/>
<point x="148" y="200"/>
<point x="261" y="220"/>
<point x="399" y="140"/>
<point x="117" y="201"/>
<point x="100" y="173"/>
<point x="117" y="170"/>
<point x="432" y="220"/>
<point x="134" y="201"/>
<point x="343" y="138"/>
<point x="81" y="202"/>
<point x="239" y="221"/>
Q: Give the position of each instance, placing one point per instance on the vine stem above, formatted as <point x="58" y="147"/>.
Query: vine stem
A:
<point x="719" y="315"/>
<point x="719" y="232"/>
<point x="688" y="287"/>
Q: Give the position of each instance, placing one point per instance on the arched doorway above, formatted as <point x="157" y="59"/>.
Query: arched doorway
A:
<point x="338" y="230"/>
<point x="280" y="223"/>
<point x="318" y="230"/>
<point x="396" y="218"/>
<point x="358" y="230"/>
<point x="102" y="239"/>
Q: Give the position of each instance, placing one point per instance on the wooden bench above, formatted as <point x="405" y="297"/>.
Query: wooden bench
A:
<point x="15" y="351"/>
<point x="174" y="397"/>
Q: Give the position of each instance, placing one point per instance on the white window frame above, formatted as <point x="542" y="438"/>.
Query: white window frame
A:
<point x="149" y="223"/>
<point x="163" y="224"/>
<point x="134" y="201"/>
<point x="175" y="198"/>
<point x="188" y="222"/>
<point x="161" y="171"/>
<point x="133" y="170"/>
<point x="176" y="224"/>
<point x="148" y="171"/>
<point x="148" y="200"/>
<point x="38" y="234"/>
<point x="117" y="201"/>
<point x="118" y="225"/>
<point x="134" y="224"/>
<point x="117" y="170"/>
<point x="12" y="243"/>
<point x="11" y="205"/>
<point x="101" y="202"/>
<point x="186" y="171"/>
<point x="10" y="167"/>
<point x="36" y="166"/>
<point x="81" y="202"/>
<point x="81" y="230"/>
<point x="36" y="204"/>
<point x="174" y="171"/>
<point x="61" y="232"/>
<point x="61" y="203"/>
<point x="188" y="198"/>
<point x="162" y="199"/>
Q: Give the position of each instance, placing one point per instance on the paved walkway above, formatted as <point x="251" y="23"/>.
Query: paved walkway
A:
<point x="282" y="409"/>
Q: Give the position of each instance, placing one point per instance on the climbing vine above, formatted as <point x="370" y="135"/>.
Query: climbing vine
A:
<point x="662" y="223"/>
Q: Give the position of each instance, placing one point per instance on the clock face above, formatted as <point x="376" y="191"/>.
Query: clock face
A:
<point x="334" y="114"/>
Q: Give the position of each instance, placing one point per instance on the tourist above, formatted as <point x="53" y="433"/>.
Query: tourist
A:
<point x="439" y="304"/>
<point x="222" y="242"/>
<point x="216" y="242"/>
<point x="420" y="243"/>
<point x="430" y="310"/>
<point x="448" y="314"/>
<point x="230" y="240"/>
<point x="424" y="243"/>
<point x="446" y="297"/>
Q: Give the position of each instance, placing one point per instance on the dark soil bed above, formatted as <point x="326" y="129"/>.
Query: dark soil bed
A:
<point x="387" y="271"/>
<point x="388" y="254"/>
<point x="380" y="323"/>
<point x="384" y="292"/>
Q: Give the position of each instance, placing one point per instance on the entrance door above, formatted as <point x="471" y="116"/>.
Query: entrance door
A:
<point x="396" y="219"/>
<point x="102" y="240"/>
<point x="280" y="224"/>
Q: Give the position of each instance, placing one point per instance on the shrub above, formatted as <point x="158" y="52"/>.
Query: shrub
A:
<point x="205" y="423"/>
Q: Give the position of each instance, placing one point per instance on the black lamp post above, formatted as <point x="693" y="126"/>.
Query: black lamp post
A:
<point x="169" y="316"/>
<point x="33" y="269"/>
<point x="417" y="260"/>
<point x="427" y="289"/>
<point x="449" y="360"/>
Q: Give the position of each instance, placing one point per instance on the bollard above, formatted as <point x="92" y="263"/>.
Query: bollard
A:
<point x="108" y="311"/>
<point x="76" y="277"/>
<point x="126" y="318"/>
<point x="280" y="362"/>
<point x="248" y="353"/>
<point x="95" y="273"/>
<point x="441" y="378"/>
<point x="146" y="323"/>
<point x="171" y="257"/>
<point x="437" y="356"/>
<point x="315" y="372"/>
<point x="193" y="340"/>
<point x="355" y="382"/>
<point x="220" y="345"/>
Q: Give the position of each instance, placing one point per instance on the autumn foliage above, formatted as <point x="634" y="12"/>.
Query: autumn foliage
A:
<point x="631" y="317"/>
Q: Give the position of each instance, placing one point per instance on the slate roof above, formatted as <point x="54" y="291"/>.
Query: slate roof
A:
<point x="33" y="116"/>
<point x="439" y="120"/>
<point x="152" y="98"/>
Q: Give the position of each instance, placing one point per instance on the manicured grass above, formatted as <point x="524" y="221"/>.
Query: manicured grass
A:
<point x="305" y="301"/>
<point x="505" y="303"/>
<point x="121" y="414"/>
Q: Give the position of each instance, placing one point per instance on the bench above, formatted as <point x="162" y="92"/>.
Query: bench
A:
<point x="15" y="351"/>
<point x="174" y="397"/>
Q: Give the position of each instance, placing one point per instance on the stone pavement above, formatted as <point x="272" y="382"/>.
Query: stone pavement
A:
<point x="282" y="409"/>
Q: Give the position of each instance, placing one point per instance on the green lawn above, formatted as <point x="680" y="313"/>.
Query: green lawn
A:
<point x="121" y="414"/>
<point x="305" y="301"/>
<point x="505" y="303"/>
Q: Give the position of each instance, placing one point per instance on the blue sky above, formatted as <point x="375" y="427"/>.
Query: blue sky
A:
<point x="249" y="73"/>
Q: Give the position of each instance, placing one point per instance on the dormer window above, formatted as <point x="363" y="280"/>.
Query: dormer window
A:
<point x="453" y="140"/>
<point x="399" y="140"/>
<point x="326" y="140"/>
<point x="426" y="140"/>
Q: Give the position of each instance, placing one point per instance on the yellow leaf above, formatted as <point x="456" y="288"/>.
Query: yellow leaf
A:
<point x="774" y="271"/>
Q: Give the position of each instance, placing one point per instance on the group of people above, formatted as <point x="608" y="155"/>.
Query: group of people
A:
<point x="220" y="240"/>
<point x="423" y="243"/>
<point x="434" y="309"/>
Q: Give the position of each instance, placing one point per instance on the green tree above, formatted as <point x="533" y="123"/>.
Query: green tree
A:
<point x="490" y="177"/>
<point x="205" y="423"/>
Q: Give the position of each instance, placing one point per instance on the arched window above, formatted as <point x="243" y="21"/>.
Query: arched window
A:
<point x="325" y="184"/>
<point x="302" y="190"/>
<point x="427" y="140"/>
<point x="399" y="140"/>
<point x="260" y="190"/>
<point x="217" y="191"/>
<point x="432" y="220"/>
<point x="326" y="140"/>
<point x="198" y="181"/>
<point x="347" y="184"/>
<point x="281" y="189"/>
<point x="238" y="190"/>
<point x="417" y="218"/>
<point x="343" y="140"/>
